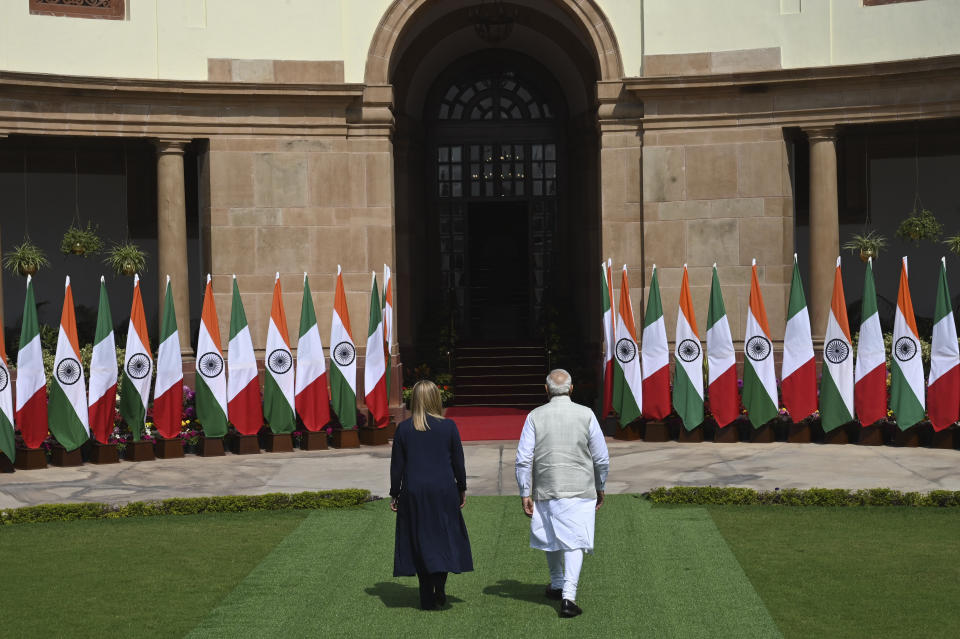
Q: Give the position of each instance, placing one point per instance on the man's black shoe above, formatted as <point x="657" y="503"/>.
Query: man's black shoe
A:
<point x="569" y="609"/>
<point x="554" y="593"/>
<point x="441" y="598"/>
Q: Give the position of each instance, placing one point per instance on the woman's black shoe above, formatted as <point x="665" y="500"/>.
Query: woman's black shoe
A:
<point x="569" y="609"/>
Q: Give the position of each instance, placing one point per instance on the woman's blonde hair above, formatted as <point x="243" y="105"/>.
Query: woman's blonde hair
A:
<point x="425" y="400"/>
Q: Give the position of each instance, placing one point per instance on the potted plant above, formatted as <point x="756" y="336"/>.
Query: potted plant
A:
<point x="921" y="224"/>
<point x="953" y="244"/>
<point x="83" y="242"/>
<point x="25" y="258"/>
<point x="867" y="245"/>
<point x="126" y="259"/>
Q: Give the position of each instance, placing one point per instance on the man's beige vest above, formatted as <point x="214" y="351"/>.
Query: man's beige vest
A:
<point x="562" y="465"/>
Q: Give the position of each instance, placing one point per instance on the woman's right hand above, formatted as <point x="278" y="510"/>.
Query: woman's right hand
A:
<point x="393" y="504"/>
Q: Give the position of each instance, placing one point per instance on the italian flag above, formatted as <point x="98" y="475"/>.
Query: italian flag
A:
<point x="721" y="359"/>
<point x="102" y="400"/>
<point x="943" y="386"/>
<point x="278" y="383"/>
<point x="343" y="360"/>
<point x="7" y="437"/>
<point x="655" y="354"/>
<point x="31" y="413"/>
<point x="387" y="322"/>
<point x="906" y="375"/>
<point x="137" y="367"/>
<point x="798" y="371"/>
<point x="243" y="389"/>
<point x="609" y="328"/>
<point x="211" y="378"/>
<point x="374" y="367"/>
<point x="688" y="357"/>
<point x="759" y="377"/>
<point x="312" y="397"/>
<point x="168" y="389"/>
<point x="627" y="377"/>
<point x="836" y="383"/>
<point x="870" y="373"/>
<point x="68" y="418"/>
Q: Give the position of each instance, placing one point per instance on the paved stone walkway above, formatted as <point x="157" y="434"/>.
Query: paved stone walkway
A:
<point x="635" y="467"/>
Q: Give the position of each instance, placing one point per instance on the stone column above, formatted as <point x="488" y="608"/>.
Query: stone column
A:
<point x="824" y="224"/>
<point x="172" y="233"/>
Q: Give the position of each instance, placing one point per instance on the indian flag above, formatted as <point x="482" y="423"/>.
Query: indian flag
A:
<point x="836" y="383"/>
<point x="31" y="413"/>
<point x="688" y="358"/>
<point x="798" y="371"/>
<point x="312" y="398"/>
<point x="168" y="389"/>
<point x="243" y="389"/>
<point x="102" y="400"/>
<point x="343" y="360"/>
<point x="68" y="418"/>
<point x="870" y="372"/>
<point x="943" y="386"/>
<point x="211" y="378"/>
<point x="627" y="377"/>
<point x="606" y="288"/>
<point x="137" y="367"/>
<point x="387" y="322"/>
<point x="7" y="438"/>
<point x="374" y="366"/>
<point x="655" y="355"/>
<point x="906" y="375"/>
<point x="721" y="359"/>
<point x="278" y="383"/>
<point x="759" y="377"/>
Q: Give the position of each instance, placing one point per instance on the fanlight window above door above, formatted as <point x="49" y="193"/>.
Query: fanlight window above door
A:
<point x="503" y="96"/>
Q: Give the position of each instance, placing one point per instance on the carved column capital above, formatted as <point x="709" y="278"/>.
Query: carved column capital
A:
<point x="826" y="133"/>
<point x="175" y="146"/>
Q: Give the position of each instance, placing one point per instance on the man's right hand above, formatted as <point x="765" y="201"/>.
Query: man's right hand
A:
<point x="527" y="506"/>
<point x="599" y="499"/>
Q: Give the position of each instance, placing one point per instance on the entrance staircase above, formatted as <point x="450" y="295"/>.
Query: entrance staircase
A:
<point x="507" y="375"/>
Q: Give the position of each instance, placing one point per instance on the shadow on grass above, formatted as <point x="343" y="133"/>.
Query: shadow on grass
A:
<point x="394" y="595"/>
<point x="513" y="589"/>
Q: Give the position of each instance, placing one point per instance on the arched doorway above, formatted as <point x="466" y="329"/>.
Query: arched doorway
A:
<point x="496" y="185"/>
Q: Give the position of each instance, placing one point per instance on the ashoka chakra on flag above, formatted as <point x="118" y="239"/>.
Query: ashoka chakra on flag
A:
<point x="211" y="364"/>
<point x="906" y="349"/>
<point x="836" y="351"/>
<point x="688" y="350"/>
<point x="280" y="361"/>
<point x="758" y="348"/>
<point x="344" y="353"/>
<point x="4" y="379"/>
<point x="139" y="366"/>
<point x="68" y="372"/>
<point x="626" y="350"/>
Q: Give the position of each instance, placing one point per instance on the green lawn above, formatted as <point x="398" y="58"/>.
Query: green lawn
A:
<point x="659" y="571"/>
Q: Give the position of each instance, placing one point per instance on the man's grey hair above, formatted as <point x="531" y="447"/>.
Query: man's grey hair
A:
<point x="559" y="382"/>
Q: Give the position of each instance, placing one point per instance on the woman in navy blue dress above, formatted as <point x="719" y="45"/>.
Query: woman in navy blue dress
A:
<point x="428" y="485"/>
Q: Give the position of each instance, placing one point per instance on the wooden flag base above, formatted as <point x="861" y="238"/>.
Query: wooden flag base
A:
<point x="313" y="440"/>
<point x="799" y="433"/>
<point x="245" y="444"/>
<point x="694" y="436"/>
<point x="168" y="448"/>
<point x="139" y="451"/>
<point x="279" y="442"/>
<point x="6" y="466"/>
<point x="836" y="436"/>
<point x="909" y="438"/>
<point x="391" y="429"/>
<point x="346" y="438"/>
<point x="944" y="438"/>
<point x="763" y="435"/>
<point x="727" y="435"/>
<point x="373" y="436"/>
<point x="629" y="433"/>
<point x="211" y="447"/>
<point x="103" y="453"/>
<point x="60" y="456"/>
<point x="30" y="459"/>
<point x="871" y="435"/>
<point x="656" y="431"/>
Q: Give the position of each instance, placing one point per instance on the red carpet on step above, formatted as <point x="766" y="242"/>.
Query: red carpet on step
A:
<point x="480" y="423"/>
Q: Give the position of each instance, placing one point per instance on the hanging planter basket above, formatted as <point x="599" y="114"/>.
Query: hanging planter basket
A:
<point x="126" y="259"/>
<point x="866" y="245"/>
<point x="82" y="242"/>
<point x="921" y="224"/>
<point x="953" y="244"/>
<point x="25" y="259"/>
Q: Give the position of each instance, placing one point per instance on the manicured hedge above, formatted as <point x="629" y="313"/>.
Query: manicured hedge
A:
<point x="344" y="498"/>
<point x="714" y="495"/>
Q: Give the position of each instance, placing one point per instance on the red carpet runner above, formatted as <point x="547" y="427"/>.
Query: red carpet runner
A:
<point x="481" y="423"/>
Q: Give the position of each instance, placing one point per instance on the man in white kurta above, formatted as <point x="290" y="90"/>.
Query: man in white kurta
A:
<point x="562" y="464"/>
